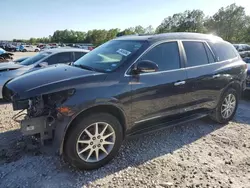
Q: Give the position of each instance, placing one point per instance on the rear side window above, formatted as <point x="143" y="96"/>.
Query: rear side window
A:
<point x="224" y="50"/>
<point x="196" y="53"/>
<point x="78" y="55"/>
<point x="165" y="55"/>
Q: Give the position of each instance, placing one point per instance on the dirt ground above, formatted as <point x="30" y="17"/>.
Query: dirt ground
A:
<point x="198" y="154"/>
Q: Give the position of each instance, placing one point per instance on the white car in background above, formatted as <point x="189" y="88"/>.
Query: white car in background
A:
<point x="41" y="60"/>
<point x="30" y="48"/>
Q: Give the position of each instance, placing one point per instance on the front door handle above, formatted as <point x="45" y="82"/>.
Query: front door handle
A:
<point x="179" y="83"/>
<point x="216" y="76"/>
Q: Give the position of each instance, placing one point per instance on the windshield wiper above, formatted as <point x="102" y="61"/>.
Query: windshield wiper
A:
<point x="85" y="67"/>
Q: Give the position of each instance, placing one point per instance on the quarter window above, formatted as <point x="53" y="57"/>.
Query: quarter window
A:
<point x="195" y="52"/>
<point x="224" y="50"/>
<point x="165" y="55"/>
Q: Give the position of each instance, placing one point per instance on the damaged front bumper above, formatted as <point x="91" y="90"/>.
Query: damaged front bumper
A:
<point x="40" y="126"/>
<point x="46" y="116"/>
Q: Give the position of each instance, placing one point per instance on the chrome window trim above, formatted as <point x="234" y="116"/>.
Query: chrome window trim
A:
<point x="182" y="68"/>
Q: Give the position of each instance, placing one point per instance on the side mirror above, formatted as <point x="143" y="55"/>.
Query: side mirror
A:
<point x="43" y="64"/>
<point x="145" y="66"/>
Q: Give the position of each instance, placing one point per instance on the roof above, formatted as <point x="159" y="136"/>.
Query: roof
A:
<point x="170" y="36"/>
<point x="55" y="50"/>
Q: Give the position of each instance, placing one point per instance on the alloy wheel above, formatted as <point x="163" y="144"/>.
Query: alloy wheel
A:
<point x="95" y="142"/>
<point x="228" y="106"/>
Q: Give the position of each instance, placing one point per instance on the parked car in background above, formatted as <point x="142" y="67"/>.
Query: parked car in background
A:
<point x="10" y="48"/>
<point x="2" y="51"/>
<point x="243" y="49"/>
<point x="128" y="86"/>
<point x="34" y="63"/>
<point x="5" y="57"/>
<point x="30" y="48"/>
<point x="19" y="60"/>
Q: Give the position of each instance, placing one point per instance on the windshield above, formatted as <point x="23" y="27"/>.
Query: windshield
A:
<point x="35" y="58"/>
<point x="109" y="56"/>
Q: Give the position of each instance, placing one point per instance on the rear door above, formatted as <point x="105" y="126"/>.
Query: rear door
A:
<point x="203" y="75"/>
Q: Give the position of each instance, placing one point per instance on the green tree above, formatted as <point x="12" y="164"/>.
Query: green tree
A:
<point x="188" y="21"/>
<point x="231" y="23"/>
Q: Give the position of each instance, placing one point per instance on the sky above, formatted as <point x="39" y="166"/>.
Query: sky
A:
<point x="23" y="19"/>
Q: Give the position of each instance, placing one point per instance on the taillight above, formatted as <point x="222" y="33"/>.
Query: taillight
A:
<point x="90" y="48"/>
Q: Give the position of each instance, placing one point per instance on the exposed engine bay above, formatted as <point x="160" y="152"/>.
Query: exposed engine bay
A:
<point x="41" y="113"/>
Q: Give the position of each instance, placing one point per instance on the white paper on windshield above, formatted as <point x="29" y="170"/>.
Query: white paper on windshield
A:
<point x="123" y="52"/>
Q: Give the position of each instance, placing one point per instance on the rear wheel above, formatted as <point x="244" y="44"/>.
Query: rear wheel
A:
<point x="24" y="50"/>
<point x="227" y="107"/>
<point x="93" y="141"/>
<point x="36" y="50"/>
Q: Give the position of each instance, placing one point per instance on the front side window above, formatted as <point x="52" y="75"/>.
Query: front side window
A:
<point x="195" y="53"/>
<point x="110" y="55"/>
<point x="165" y="55"/>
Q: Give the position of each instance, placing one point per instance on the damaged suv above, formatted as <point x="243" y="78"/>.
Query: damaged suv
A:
<point x="128" y="86"/>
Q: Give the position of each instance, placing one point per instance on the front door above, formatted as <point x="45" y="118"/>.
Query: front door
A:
<point x="161" y="93"/>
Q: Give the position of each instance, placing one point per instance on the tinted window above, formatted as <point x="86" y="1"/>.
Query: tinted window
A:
<point x="223" y="50"/>
<point x="195" y="52"/>
<point x="78" y="55"/>
<point x="165" y="55"/>
<point x="209" y="54"/>
<point x="64" y="57"/>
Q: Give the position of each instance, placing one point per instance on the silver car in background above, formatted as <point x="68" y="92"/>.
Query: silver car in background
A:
<point x="43" y="59"/>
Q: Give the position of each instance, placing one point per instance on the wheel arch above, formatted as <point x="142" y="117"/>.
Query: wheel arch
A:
<point x="235" y="85"/>
<point x="106" y="108"/>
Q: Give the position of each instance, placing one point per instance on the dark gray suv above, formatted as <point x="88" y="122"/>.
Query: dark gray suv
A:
<point x="127" y="86"/>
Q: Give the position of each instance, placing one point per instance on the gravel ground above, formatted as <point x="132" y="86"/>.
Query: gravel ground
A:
<point x="197" y="154"/>
<point x="18" y="55"/>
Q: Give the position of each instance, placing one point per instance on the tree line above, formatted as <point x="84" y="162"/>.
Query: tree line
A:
<point x="231" y="23"/>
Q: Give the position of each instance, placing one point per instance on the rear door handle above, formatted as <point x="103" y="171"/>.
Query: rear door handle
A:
<point x="179" y="83"/>
<point x="216" y="76"/>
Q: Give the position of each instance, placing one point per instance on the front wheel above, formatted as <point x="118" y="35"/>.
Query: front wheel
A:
<point x="226" y="107"/>
<point x="93" y="141"/>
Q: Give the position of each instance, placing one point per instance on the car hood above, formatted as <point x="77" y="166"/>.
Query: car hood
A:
<point x="9" y="66"/>
<point x="51" y="79"/>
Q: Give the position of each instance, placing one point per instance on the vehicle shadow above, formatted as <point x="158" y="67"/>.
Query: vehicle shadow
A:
<point x="135" y="151"/>
<point x="242" y="114"/>
<point x="140" y="149"/>
<point x="2" y="101"/>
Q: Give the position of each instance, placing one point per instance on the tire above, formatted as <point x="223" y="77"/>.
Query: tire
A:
<point x="71" y="146"/>
<point x="36" y="50"/>
<point x="218" y="114"/>
<point x="24" y="50"/>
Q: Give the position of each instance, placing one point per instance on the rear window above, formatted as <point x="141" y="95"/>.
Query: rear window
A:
<point x="224" y="50"/>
